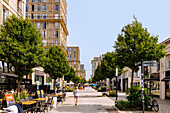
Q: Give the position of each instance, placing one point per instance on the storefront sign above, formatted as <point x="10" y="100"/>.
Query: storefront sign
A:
<point x="38" y="72"/>
<point x="9" y="99"/>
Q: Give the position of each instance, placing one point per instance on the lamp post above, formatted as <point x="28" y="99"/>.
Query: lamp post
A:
<point x="116" y="81"/>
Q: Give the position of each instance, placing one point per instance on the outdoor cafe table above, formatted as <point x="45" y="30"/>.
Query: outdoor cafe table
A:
<point x="57" y="95"/>
<point x="40" y="99"/>
<point x="28" y="102"/>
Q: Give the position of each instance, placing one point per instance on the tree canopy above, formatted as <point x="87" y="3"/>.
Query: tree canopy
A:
<point x="76" y="79"/>
<point x="135" y="43"/>
<point x="56" y="64"/>
<point x="108" y="66"/>
<point x="97" y="74"/>
<point x="20" y="45"/>
<point x="70" y="75"/>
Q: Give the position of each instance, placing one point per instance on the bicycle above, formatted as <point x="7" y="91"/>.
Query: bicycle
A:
<point x="155" y="105"/>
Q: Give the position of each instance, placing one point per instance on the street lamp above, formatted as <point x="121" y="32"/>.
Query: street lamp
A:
<point x="116" y="81"/>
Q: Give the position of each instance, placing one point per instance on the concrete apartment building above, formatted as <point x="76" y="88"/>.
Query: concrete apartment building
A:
<point x="9" y="7"/>
<point x="74" y="58"/>
<point x="82" y="71"/>
<point x="50" y="18"/>
<point x="95" y="62"/>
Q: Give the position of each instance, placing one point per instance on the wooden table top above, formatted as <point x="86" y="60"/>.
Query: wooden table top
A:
<point x="40" y="99"/>
<point x="32" y="94"/>
<point x="28" y="102"/>
<point x="56" y="95"/>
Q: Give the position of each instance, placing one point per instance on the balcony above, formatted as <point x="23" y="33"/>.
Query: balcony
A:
<point x="6" y="1"/>
<point x="19" y="10"/>
<point x="51" y="19"/>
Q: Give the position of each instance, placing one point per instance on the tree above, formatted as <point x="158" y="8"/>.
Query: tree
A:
<point x="56" y="64"/>
<point x="82" y="81"/>
<point x="76" y="79"/>
<point x="108" y="66"/>
<point x="70" y="75"/>
<point x="97" y="74"/>
<point x="135" y="43"/>
<point x="20" y="45"/>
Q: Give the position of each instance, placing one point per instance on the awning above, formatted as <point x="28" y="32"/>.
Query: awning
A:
<point x="152" y="79"/>
<point x="167" y="78"/>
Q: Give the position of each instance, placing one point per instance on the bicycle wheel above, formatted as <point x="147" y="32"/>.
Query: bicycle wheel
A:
<point x="156" y="106"/>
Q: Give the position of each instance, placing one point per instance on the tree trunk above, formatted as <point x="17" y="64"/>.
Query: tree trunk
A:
<point x="54" y="86"/>
<point x="19" y="81"/>
<point x="132" y="78"/>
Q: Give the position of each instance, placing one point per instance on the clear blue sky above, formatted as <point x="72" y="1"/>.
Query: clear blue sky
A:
<point x="94" y="24"/>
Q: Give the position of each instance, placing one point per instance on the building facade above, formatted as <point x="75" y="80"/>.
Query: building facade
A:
<point x="50" y="18"/>
<point x="95" y="62"/>
<point x="9" y="7"/>
<point x="82" y="71"/>
<point x="74" y="58"/>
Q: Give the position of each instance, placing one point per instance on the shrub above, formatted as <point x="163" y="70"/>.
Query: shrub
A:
<point x="122" y="105"/>
<point x="103" y="88"/>
<point x="135" y="97"/>
<point x="112" y="93"/>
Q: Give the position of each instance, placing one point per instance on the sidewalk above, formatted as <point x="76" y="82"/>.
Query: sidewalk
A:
<point x="90" y="101"/>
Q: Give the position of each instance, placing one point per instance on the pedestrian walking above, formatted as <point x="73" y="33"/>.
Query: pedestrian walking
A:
<point x="76" y="94"/>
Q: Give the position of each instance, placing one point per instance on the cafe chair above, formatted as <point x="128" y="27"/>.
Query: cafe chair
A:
<point x="48" y="103"/>
<point x="34" y="108"/>
<point x="30" y="98"/>
<point x="41" y="108"/>
<point x="25" y="110"/>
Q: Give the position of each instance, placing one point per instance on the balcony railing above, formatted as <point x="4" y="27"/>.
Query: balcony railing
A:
<point x="7" y="1"/>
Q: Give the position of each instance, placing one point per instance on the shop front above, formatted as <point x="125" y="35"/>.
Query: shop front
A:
<point x="38" y="78"/>
<point x="167" y="84"/>
<point x="153" y="84"/>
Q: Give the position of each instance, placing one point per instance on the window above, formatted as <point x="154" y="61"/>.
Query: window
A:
<point x="74" y="49"/>
<point x="38" y="25"/>
<point x="56" y="0"/>
<point x="5" y="14"/>
<point x="74" y="56"/>
<point x="70" y="49"/>
<point x="44" y="0"/>
<point x="94" y="63"/>
<point x="56" y="42"/>
<point x="38" y="0"/>
<point x="56" y="16"/>
<point x="26" y="15"/>
<point x="27" y="1"/>
<point x="32" y="0"/>
<point x="44" y="8"/>
<point x="44" y="41"/>
<point x="94" y="68"/>
<point x="45" y="50"/>
<point x="32" y="7"/>
<point x="33" y="23"/>
<point x="70" y="55"/>
<point x="56" y="34"/>
<point x="44" y="34"/>
<point x="38" y="16"/>
<point x="38" y="8"/>
<point x="74" y="62"/>
<point x="44" y="25"/>
<point x="74" y="66"/>
<point x="27" y="8"/>
<point x="168" y="62"/>
<point x="74" y="52"/>
<point x="70" y="58"/>
<point x="56" y="7"/>
<point x="67" y="49"/>
<point x="44" y="16"/>
<point x="56" y="25"/>
<point x="32" y="16"/>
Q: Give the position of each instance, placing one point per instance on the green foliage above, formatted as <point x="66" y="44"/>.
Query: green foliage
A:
<point x="112" y="93"/>
<point x="55" y="64"/>
<point x="97" y="74"/>
<point x="109" y="65"/>
<point x="76" y="79"/>
<point x="82" y="80"/>
<point x="102" y="88"/>
<point x="135" y="96"/>
<point x="123" y="105"/>
<point x="70" y="75"/>
<point x="20" y="45"/>
<point x="135" y="43"/>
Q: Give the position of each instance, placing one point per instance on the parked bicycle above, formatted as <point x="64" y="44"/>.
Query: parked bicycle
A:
<point x="155" y="105"/>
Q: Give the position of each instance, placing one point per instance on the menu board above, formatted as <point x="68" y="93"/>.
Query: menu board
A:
<point x="42" y="92"/>
<point x="10" y="99"/>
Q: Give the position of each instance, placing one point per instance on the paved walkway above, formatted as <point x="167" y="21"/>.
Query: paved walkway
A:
<point x="90" y="101"/>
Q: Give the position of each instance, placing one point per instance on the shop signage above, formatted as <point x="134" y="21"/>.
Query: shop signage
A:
<point x="38" y="72"/>
<point x="9" y="99"/>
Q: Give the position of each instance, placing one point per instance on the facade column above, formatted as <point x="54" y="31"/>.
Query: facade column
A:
<point x="162" y="75"/>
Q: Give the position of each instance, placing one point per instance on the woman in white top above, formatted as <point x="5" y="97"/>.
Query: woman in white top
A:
<point x="76" y="94"/>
